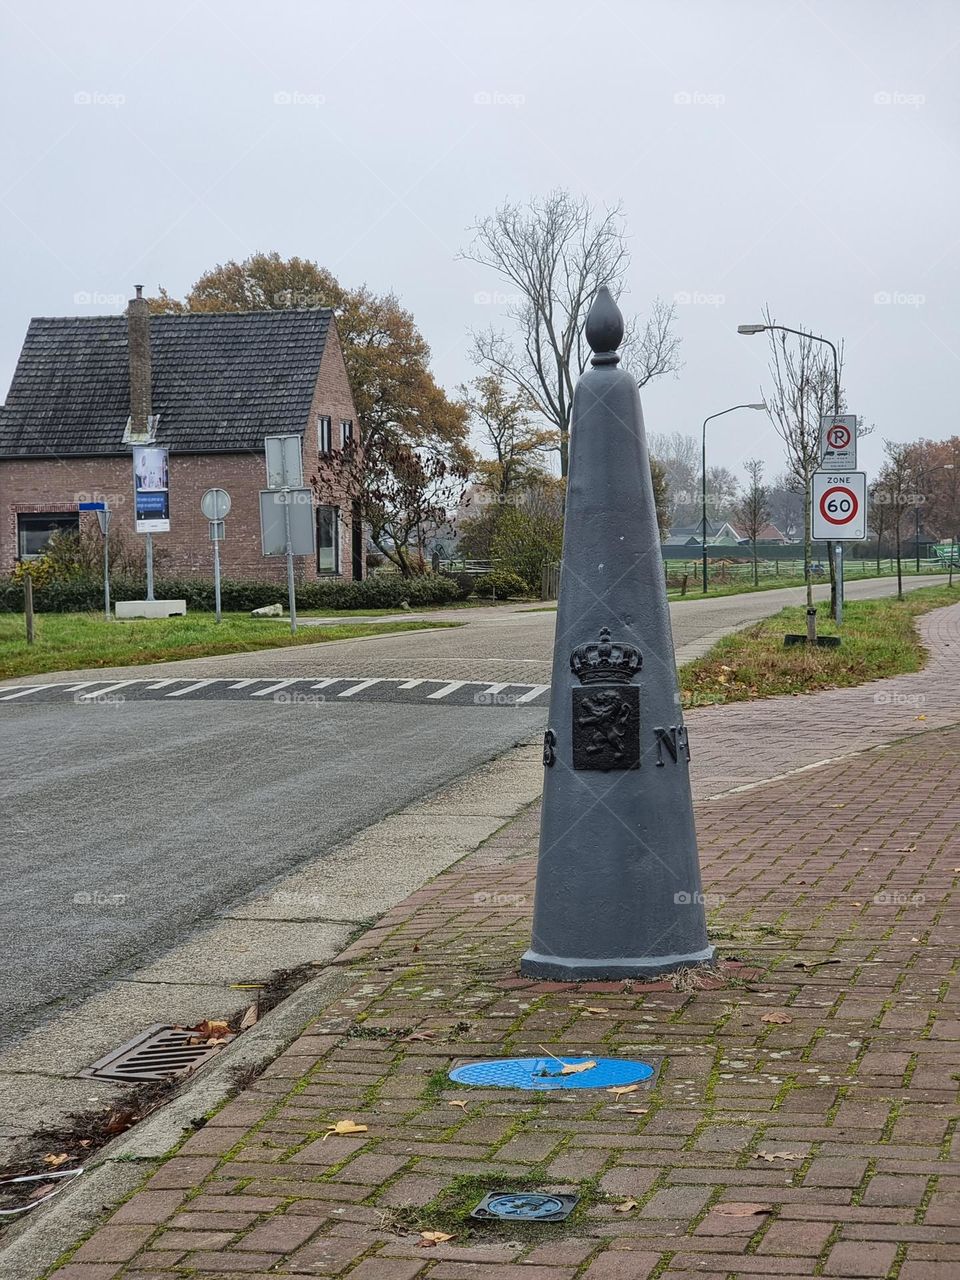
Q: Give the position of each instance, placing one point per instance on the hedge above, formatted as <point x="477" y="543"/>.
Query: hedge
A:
<point x="383" y="591"/>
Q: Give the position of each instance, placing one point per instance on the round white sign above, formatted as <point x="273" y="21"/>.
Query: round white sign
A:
<point x="215" y="504"/>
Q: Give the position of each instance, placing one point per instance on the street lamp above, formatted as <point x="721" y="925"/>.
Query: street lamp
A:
<point x="703" y="481"/>
<point x="782" y="328"/>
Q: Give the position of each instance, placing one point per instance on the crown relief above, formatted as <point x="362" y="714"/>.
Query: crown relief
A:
<point x="605" y="660"/>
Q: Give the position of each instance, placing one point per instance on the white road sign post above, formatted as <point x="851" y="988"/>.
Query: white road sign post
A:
<point x="839" y="506"/>
<point x="838" y="442"/>
<point x="284" y="458"/>
<point x="215" y="505"/>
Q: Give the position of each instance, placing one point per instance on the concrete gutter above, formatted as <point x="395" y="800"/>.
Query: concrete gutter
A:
<point x="307" y="915"/>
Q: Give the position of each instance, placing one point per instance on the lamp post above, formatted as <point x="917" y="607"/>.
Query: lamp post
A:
<point x="703" y="481"/>
<point x="800" y="333"/>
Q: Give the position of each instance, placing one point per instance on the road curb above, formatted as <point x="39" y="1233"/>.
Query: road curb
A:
<point x="124" y="1164"/>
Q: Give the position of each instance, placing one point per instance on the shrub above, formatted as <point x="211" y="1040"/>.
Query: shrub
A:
<point x="501" y="583"/>
<point x="384" y="591"/>
<point x="465" y="584"/>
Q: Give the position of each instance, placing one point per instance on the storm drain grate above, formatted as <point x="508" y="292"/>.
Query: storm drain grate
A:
<point x="161" y="1052"/>
<point x="525" y="1206"/>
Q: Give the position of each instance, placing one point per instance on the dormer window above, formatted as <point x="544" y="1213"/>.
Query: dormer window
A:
<point x="346" y="432"/>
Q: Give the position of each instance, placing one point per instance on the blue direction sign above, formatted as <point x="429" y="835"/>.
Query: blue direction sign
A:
<point x="91" y="506"/>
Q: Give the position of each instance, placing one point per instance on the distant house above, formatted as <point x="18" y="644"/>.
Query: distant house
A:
<point x="719" y="534"/>
<point x="208" y="387"/>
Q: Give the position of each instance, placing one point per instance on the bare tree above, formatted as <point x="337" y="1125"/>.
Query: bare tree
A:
<point x="878" y="514"/>
<point x="802" y="389"/>
<point x="679" y="457"/>
<point x="786" y="504"/>
<point x="753" y="511"/>
<point x="554" y="253"/>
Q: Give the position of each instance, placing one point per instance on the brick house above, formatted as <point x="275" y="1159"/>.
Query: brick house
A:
<point x="208" y="387"/>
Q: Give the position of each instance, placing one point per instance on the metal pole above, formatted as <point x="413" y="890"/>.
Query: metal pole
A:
<point x="916" y="533"/>
<point x="291" y="585"/>
<point x="703" y="495"/>
<point x="216" y="577"/>
<point x="839" y="609"/>
<point x="106" y="564"/>
<point x="149" y="566"/>
<point x="28" y="604"/>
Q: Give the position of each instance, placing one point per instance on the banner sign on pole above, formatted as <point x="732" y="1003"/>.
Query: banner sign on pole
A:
<point x="274" y="504"/>
<point x="838" y="442"/>
<point x="151" y="491"/>
<point x="839" y="506"/>
<point x="284" y="456"/>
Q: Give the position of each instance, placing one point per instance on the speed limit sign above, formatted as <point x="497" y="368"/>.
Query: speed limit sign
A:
<point x="839" y="506"/>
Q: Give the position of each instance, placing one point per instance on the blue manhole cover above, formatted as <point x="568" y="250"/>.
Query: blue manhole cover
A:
<point x="525" y="1206"/>
<point x="545" y="1073"/>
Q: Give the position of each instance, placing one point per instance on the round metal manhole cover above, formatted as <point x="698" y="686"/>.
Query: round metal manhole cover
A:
<point x="526" y="1206"/>
<point x="547" y="1073"/>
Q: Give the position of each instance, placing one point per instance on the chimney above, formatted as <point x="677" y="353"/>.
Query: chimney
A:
<point x="138" y="343"/>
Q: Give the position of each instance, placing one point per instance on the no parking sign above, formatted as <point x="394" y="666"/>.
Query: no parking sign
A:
<point x="838" y="442"/>
<point x="839" y="506"/>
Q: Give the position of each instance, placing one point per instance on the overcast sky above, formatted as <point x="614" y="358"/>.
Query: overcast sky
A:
<point x="801" y="155"/>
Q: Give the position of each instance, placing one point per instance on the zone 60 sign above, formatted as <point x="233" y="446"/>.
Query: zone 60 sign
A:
<point x="839" y="506"/>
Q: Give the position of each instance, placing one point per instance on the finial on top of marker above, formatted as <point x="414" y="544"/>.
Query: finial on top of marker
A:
<point x="604" y="328"/>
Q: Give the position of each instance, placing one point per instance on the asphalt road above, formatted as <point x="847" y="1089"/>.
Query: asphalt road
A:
<point x="129" y="821"/>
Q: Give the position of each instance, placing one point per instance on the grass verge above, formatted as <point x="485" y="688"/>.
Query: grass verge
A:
<point x="71" y="641"/>
<point x="878" y="639"/>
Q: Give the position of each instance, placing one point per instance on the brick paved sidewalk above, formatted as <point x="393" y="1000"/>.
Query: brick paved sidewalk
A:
<point x="836" y="1122"/>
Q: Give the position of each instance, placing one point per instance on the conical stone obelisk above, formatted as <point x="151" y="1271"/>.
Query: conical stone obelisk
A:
<point x="618" y="879"/>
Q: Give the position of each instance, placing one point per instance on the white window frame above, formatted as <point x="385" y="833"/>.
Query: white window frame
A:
<point x="324" y="434"/>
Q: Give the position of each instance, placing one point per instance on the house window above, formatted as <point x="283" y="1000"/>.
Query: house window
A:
<point x="346" y="432"/>
<point x="34" y="531"/>
<point x="324" y="434"/>
<point x="328" y="540"/>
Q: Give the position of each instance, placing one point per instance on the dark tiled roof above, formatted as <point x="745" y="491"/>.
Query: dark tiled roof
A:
<point x="220" y="382"/>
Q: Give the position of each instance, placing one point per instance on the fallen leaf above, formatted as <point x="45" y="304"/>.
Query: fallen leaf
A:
<point x="457" y="1102"/>
<point x="907" y="848"/>
<point x="623" y="1088"/>
<point x="419" y="1035"/>
<point x="345" y="1127"/>
<point x="54" y="1162"/>
<point x="42" y="1190"/>
<point x="779" y="1155"/>
<point x="921" y="717"/>
<point x="430" y="1239"/>
<point x="119" y="1121"/>
<point x="209" y="1031"/>
<point x="813" y="964"/>
<point x="733" y="1209"/>
<point x="776" y="1015"/>
<point x="573" y="1068"/>
<point x="637" y="1111"/>
<point x="591" y="1009"/>
<point x="625" y="1207"/>
<point x="249" y="1019"/>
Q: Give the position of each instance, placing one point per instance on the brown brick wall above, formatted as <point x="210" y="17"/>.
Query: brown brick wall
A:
<point x="60" y="484"/>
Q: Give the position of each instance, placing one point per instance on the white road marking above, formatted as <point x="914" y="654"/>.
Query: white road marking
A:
<point x="323" y="684"/>
<point x="272" y="688"/>
<point x="178" y="693"/>
<point x="448" y="688"/>
<point x="84" y="684"/>
<point x="22" y="693"/>
<point x="242" y="684"/>
<point x="162" y="684"/>
<point x="357" y="688"/>
<point x="410" y="684"/>
<point x="111" y="688"/>
<point x="493" y="689"/>
<point x="533" y="693"/>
